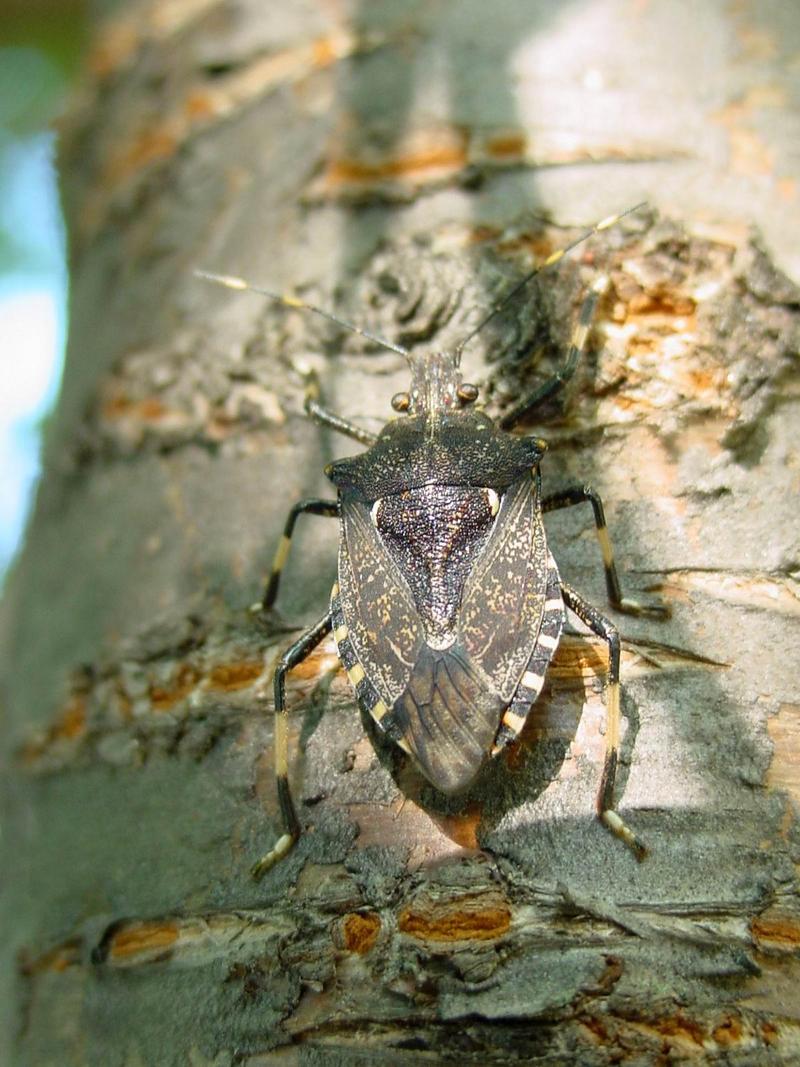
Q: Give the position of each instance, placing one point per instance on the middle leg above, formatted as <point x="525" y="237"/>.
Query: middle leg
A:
<point x="293" y="655"/>
<point x="580" y="494"/>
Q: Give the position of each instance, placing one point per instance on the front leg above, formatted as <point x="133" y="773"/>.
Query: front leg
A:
<point x="329" y="508"/>
<point x="324" y="417"/>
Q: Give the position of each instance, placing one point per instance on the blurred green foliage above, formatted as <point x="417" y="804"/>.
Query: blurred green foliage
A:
<point x="41" y="43"/>
<point x="41" y="46"/>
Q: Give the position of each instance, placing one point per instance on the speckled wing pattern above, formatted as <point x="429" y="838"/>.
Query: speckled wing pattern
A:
<point x="378" y="608"/>
<point x="443" y="705"/>
<point x="503" y="601"/>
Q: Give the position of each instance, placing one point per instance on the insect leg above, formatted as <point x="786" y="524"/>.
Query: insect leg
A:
<point x="568" y="368"/>
<point x="293" y="655"/>
<point x="580" y="494"/>
<point x="604" y="628"/>
<point x="304" y="507"/>
<point x="330" y="419"/>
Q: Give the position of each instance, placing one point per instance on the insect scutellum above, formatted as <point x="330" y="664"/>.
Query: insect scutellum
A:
<point x="448" y="605"/>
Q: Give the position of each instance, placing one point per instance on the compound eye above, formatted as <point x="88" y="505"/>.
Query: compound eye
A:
<point x="401" y="401"/>
<point x="467" y="393"/>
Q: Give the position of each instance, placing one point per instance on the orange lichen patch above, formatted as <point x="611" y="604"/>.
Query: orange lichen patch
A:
<point x="69" y="725"/>
<point x="56" y="961"/>
<point x="511" y="144"/>
<point x="163" y="697"/>
<point x="151" y="409"/>
<point x="776" y="931"/>
<point x="678" y="1028"/>
<point x="787" y="189"/>
<point x="119" y="406"/>
<point x="469" y="917"/>
<point x="199" y="105"/>
<point x="413" y="165"/>
<point x="230" y="676"/>
<point x="116" y="405"/>
<point x="784" y="732"/>
<point x="481" y="234"/>
<point x="423" y="155"/>
<point x="704" y="381"/>
<point x="461" y="828"/>
<point x="664" y="303"/>
<point x="141" y="939"/>
<point x="537" y="246"/>
<point x="629" y="403"/>
<point x="769" y="1032"/>
<point x="728" y="1032"/>
<point x="360" y="931"/>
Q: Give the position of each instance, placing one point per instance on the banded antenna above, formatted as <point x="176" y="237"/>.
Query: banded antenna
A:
<point x="552" y="259"/>
<point x="290" y="301"/>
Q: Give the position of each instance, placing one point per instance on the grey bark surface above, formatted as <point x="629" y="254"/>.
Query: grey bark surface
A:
<point x="405" y="163"/>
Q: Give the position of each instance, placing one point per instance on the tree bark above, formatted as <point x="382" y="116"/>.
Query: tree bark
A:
<point x="405" y="165"/>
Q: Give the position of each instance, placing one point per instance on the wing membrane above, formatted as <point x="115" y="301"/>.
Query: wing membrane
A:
<point x="447" y="717"/>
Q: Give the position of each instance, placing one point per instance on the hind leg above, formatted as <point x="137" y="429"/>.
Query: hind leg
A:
<point x="293" y="655"/>
<point x="606" y="809"/>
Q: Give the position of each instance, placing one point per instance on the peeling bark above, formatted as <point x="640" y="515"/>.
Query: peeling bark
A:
<point x="350" y="155"/>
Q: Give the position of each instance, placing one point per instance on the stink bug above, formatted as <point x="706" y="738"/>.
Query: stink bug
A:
<point x="448" y="606"/>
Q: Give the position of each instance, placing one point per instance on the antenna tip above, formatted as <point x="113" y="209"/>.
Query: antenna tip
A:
<point x="612" y="220"/>
<point x="222" y="279"/>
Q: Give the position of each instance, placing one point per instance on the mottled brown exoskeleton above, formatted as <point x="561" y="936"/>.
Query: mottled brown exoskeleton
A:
<point x="448" y="605"/>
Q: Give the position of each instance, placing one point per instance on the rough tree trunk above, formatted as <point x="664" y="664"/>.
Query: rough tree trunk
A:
<point x="397" y="162"/>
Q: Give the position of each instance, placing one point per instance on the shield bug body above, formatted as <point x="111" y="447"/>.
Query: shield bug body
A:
<point x="448" y="605"/>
